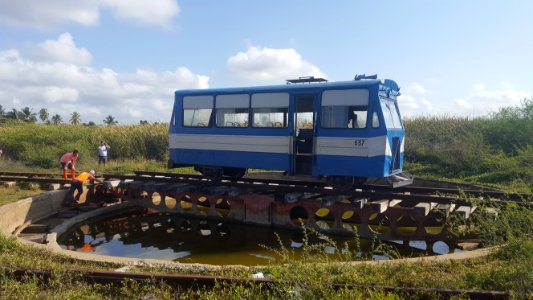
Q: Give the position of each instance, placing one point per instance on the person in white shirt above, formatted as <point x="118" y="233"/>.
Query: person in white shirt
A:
<point x="102" y="153"/>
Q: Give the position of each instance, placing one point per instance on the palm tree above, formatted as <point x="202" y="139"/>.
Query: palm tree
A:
<point x="75" y="118"/>
<point x="56" y="119"/>
<point x="2" y="114"/>
<point x="27" y="115"/>
<point x="14" y="114"/>
<point x="43" y="114"/>
<point x="110" y="120"/>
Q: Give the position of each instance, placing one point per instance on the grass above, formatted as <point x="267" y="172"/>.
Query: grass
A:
<point x="504" y="270"/>
<point x="43" y="150"/>
<point x="13" y="194"/>
<point x="495" y="150"/>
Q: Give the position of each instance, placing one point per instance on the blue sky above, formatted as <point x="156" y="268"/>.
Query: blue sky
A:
<point x="125" y="58"/>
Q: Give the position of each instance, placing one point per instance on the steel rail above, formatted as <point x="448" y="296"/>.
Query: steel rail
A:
<point x="198" y="282"/>
<point x="266" y="186"/>
<point x="481" y="192"/>
<point x="26" y="174"/>
<point x="410" y="195"/>
<point x="34" y="179"/>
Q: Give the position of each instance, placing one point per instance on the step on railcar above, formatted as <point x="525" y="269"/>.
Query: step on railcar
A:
<point x="346" y="131"/>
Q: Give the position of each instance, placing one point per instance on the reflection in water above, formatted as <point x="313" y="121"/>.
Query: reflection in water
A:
<point x="183" y="239"/>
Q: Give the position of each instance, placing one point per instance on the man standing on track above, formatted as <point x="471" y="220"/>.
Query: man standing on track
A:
<point x="102" y="153"/>
<point x="68" y="161"/>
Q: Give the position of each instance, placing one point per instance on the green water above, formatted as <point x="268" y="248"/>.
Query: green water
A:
<point x="188" y="240"/>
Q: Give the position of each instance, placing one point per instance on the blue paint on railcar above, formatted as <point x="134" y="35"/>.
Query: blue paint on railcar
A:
<point x="237" y="159"/>
<point x="349" y="128"/>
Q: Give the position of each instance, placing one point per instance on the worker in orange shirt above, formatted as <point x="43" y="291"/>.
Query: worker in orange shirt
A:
<point x="77" y="185"/>
<point x="68" y="161"/>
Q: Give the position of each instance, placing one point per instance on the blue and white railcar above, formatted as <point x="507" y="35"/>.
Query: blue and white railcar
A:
<point x="348" y="130"/>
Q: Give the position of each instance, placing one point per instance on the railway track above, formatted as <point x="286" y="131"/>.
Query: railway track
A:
<point x="437" y="194"/>
<point x="409" y="194"/>
<point x="406" y="213"/>
<point x="32" y="177"/>
<point x="198" y="282"/>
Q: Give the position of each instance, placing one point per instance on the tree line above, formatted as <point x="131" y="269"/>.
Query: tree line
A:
<point x="27" y="115"/>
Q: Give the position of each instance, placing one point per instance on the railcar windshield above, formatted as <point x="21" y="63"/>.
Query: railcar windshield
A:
<point x="390" y="113"/>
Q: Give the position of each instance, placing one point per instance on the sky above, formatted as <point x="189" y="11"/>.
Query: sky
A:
<point x="125" y="58"/>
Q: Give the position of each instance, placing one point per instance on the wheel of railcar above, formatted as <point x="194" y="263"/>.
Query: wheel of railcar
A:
<point x="213" y="173"/>
<point x="358" y="181"/>
<point x="342" y="183"/>
<point x="234" y="172"/>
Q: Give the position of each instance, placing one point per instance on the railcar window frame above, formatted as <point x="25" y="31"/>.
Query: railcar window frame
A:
<point x="202" y="106"/>
<point x="352" y="104"/>
<point x="230" y="110"/>
<point x="272" y="109"/>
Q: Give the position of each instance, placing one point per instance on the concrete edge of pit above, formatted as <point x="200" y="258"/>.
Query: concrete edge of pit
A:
<point x="33" y="209"/>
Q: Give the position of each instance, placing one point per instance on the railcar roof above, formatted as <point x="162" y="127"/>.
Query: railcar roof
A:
<point x="284" y="87"/>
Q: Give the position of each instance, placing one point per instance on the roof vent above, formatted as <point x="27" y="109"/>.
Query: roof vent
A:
<point x="363" y="76"/>
<point x="306" y="79"/>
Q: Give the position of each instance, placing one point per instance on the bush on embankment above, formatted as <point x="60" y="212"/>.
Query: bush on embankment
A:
<point x="493" y="150"/>
<point x="41" y="145"/>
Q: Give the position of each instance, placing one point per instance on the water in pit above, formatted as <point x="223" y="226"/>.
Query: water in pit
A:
<point x="183" y="239"/>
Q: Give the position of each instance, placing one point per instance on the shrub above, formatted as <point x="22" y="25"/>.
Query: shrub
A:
<point x="40" y="145"/>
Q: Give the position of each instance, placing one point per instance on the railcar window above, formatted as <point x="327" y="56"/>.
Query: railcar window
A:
<point x="232" y="110"/>
<point x="390" y="114"/>
<point x="344" y="108"/>
<point x="270" y="117"/>
<point x="270" y="110"/>
<point x="375" y="120"/>
<point x="196" y="117"/>
<point x="197" y="111"/>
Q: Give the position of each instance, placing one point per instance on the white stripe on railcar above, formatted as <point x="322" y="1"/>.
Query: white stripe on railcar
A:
<point x="342" y="146"/>
<point x="353" y="146"/>
<point x="269" y="144"/>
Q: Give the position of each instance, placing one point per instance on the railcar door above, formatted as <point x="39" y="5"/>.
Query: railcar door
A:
<point x="304" y="132"/>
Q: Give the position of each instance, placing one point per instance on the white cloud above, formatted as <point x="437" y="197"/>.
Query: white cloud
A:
<point x="63" y="86"/>
<point x="413" y="100"/>
<point x="154" y="12"/>
<point x="48" y="14"/>
<point x="52" y="13"/>
<point x="271" y="65"/>
<point x="61" y="50"/>
<point x="54" y="94"/>
<point x="417" y="88"/>
<point x="478" y="87"/>
<point x="462" y="103"/>
<point x="417" y="100"/>
<point x="482" y="101"/>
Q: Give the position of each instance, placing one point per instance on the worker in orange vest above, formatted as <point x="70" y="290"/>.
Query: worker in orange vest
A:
<point x="77" y="185"/>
